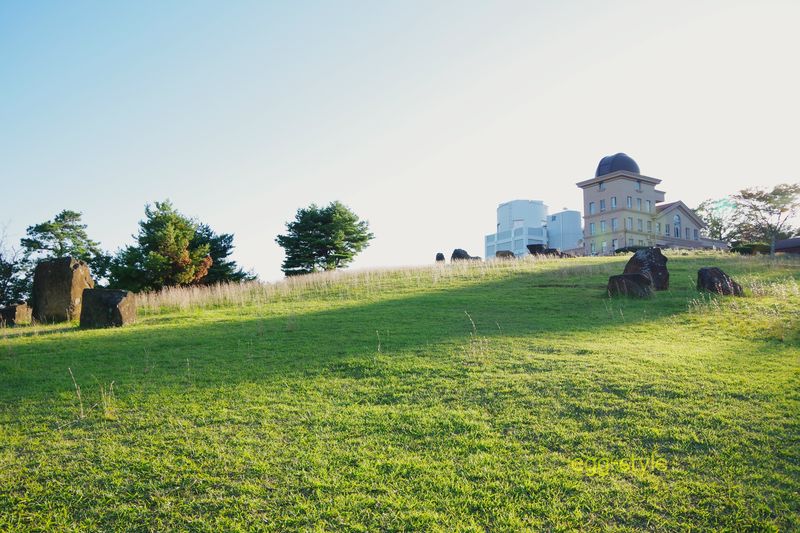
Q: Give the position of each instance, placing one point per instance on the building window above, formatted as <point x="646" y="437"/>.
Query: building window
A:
<point x="649" y="206"/>
<point x="591" y="228"/>
<point x="553" y="218"/>
<point x="639" y="204"/>
<point x="592" y="248"/>
<point x="688" y="234"/>
<point x="601" y="186"/>
<point x="591" y="208"/>
<point x="649" y="226"/>
<point x="666" y="230"/>
<point x="602" y="205"/>
<point x="629" y="223"/>
<point x="613" y="244"/>
<point x="676" y="224"/>
<point x="639" y="225"/>
<point x="696" y="235"/>
<point x="630" y="242"/>
<point x="638" y="185"/>
<point x="630" y="202"/>
<point x="603" y="246"/>
<point x="614" y="225"/>
<point x="641" y="242"/>
<point x="613" y="202"/>
<point x="658" y="228"/>
<point x="602" y="226"/>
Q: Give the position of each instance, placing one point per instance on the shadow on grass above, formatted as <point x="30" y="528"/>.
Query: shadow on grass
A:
<point x="269" y="341"/>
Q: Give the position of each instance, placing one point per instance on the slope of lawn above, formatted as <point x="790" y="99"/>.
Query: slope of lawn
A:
<point x="497" y="397"/>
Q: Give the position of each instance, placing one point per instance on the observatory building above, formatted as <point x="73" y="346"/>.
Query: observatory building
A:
<point x="622" y="207"/>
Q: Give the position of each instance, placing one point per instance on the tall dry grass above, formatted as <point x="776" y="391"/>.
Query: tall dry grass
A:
<point x="363" y="283"/>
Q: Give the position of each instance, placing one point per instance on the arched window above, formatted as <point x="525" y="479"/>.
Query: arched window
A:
<point x="676" y="223"/>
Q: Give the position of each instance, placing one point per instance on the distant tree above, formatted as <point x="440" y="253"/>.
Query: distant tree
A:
<point x="164" y="254"/>
<point x="14" y="281"/>
<point x="720" y="217"/>
<point x="323" y="238"/>
<point x="220" y="248"/>
<point x="64" y="236"/>
<point x="765" y="215"/>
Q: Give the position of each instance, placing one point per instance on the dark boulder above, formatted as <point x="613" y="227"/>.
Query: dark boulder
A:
<point x="440" y="257"/>
<point x="632" y="285"/>
<point x="58" y="289"/>
<point x="653" y="264"/>
<point x="15" y="314"/>
<point x="713" y="279"/>
<point x="106" y="308"/>
<point x="504" y="254"/>
<point x="462" y="255"/>
<point x="540" y="249"/>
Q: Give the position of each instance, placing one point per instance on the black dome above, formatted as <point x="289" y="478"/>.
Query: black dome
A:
<point x="614" y="163"/>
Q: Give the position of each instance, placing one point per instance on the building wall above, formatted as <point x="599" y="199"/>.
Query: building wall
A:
<point x="602" y="207"/>
<point x="634" y="220"/>
<point x="519" y="223"/>
<point x="564" y="230"/>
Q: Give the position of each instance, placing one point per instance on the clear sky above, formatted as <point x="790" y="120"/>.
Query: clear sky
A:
<point x="421" y="116"/>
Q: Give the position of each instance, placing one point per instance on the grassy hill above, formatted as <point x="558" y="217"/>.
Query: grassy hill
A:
<point x="503" y="396"/>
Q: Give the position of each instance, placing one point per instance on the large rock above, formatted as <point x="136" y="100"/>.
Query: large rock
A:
<point x="632" y="285"/>
<point x="504" y="254"/>
<point x="653" y="264"/>
<point x="541" y="250"/>
<point x="462" y="255"/>
<point x="713" y="279"/>
<point x="440" y="257"/>
<point x="106" y="308"/>
<point x="58" y="289"/>
<point x="15" y="314"/>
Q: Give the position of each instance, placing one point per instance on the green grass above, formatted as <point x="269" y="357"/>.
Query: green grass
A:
<point x="371" y="402"/>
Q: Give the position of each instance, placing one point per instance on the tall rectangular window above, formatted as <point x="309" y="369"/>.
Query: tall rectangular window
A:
<point x="649" y="205"/>
<point x="630" y="202"/>
<point x="688" y="233"/>
<point x="591" y="208"/>
<point x="666" y="230"/>
<point x="591" y="228"/>
<point x="649" y="226"/>
<point x="601" y="186"/>
<point x="638" y="185"/>
<point x="602" y="205"/>
<point x="696" y="235"/>
<point x="658" y="228"/>
<point x="593" y="249"/>
<point x="639" y="225"/>
<point x="614" y="225"/>
<point x="630" y="242"/>
<point x="603" y="246"/>
<point x="629" y="223"/>
<point x="613" y="202"/>
<point x="639" y="204"/>
<point x="602" y="226"/>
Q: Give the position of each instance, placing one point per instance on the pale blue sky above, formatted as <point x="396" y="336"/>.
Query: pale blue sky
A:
<point x="421" y="116"/>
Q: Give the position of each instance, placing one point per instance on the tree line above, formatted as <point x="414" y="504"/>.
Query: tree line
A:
<point x="753" y="217"/>
<point x="171" y="249"/>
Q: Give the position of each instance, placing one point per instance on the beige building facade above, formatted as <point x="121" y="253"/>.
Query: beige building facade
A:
<point x="623" y="207"/>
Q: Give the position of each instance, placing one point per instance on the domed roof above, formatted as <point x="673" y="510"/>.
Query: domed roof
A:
<point x="614" y="163"/>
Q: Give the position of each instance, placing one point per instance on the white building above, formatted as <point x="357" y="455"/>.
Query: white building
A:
<point x="564" y="231"/>
<point x="524" y="222"/>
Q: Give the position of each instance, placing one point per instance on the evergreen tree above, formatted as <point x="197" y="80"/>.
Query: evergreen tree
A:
<point x="323" y="238"/>
<point x="164" y="254"/>
<point x="63" y="236"/>
<point x="220" y="248"/>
